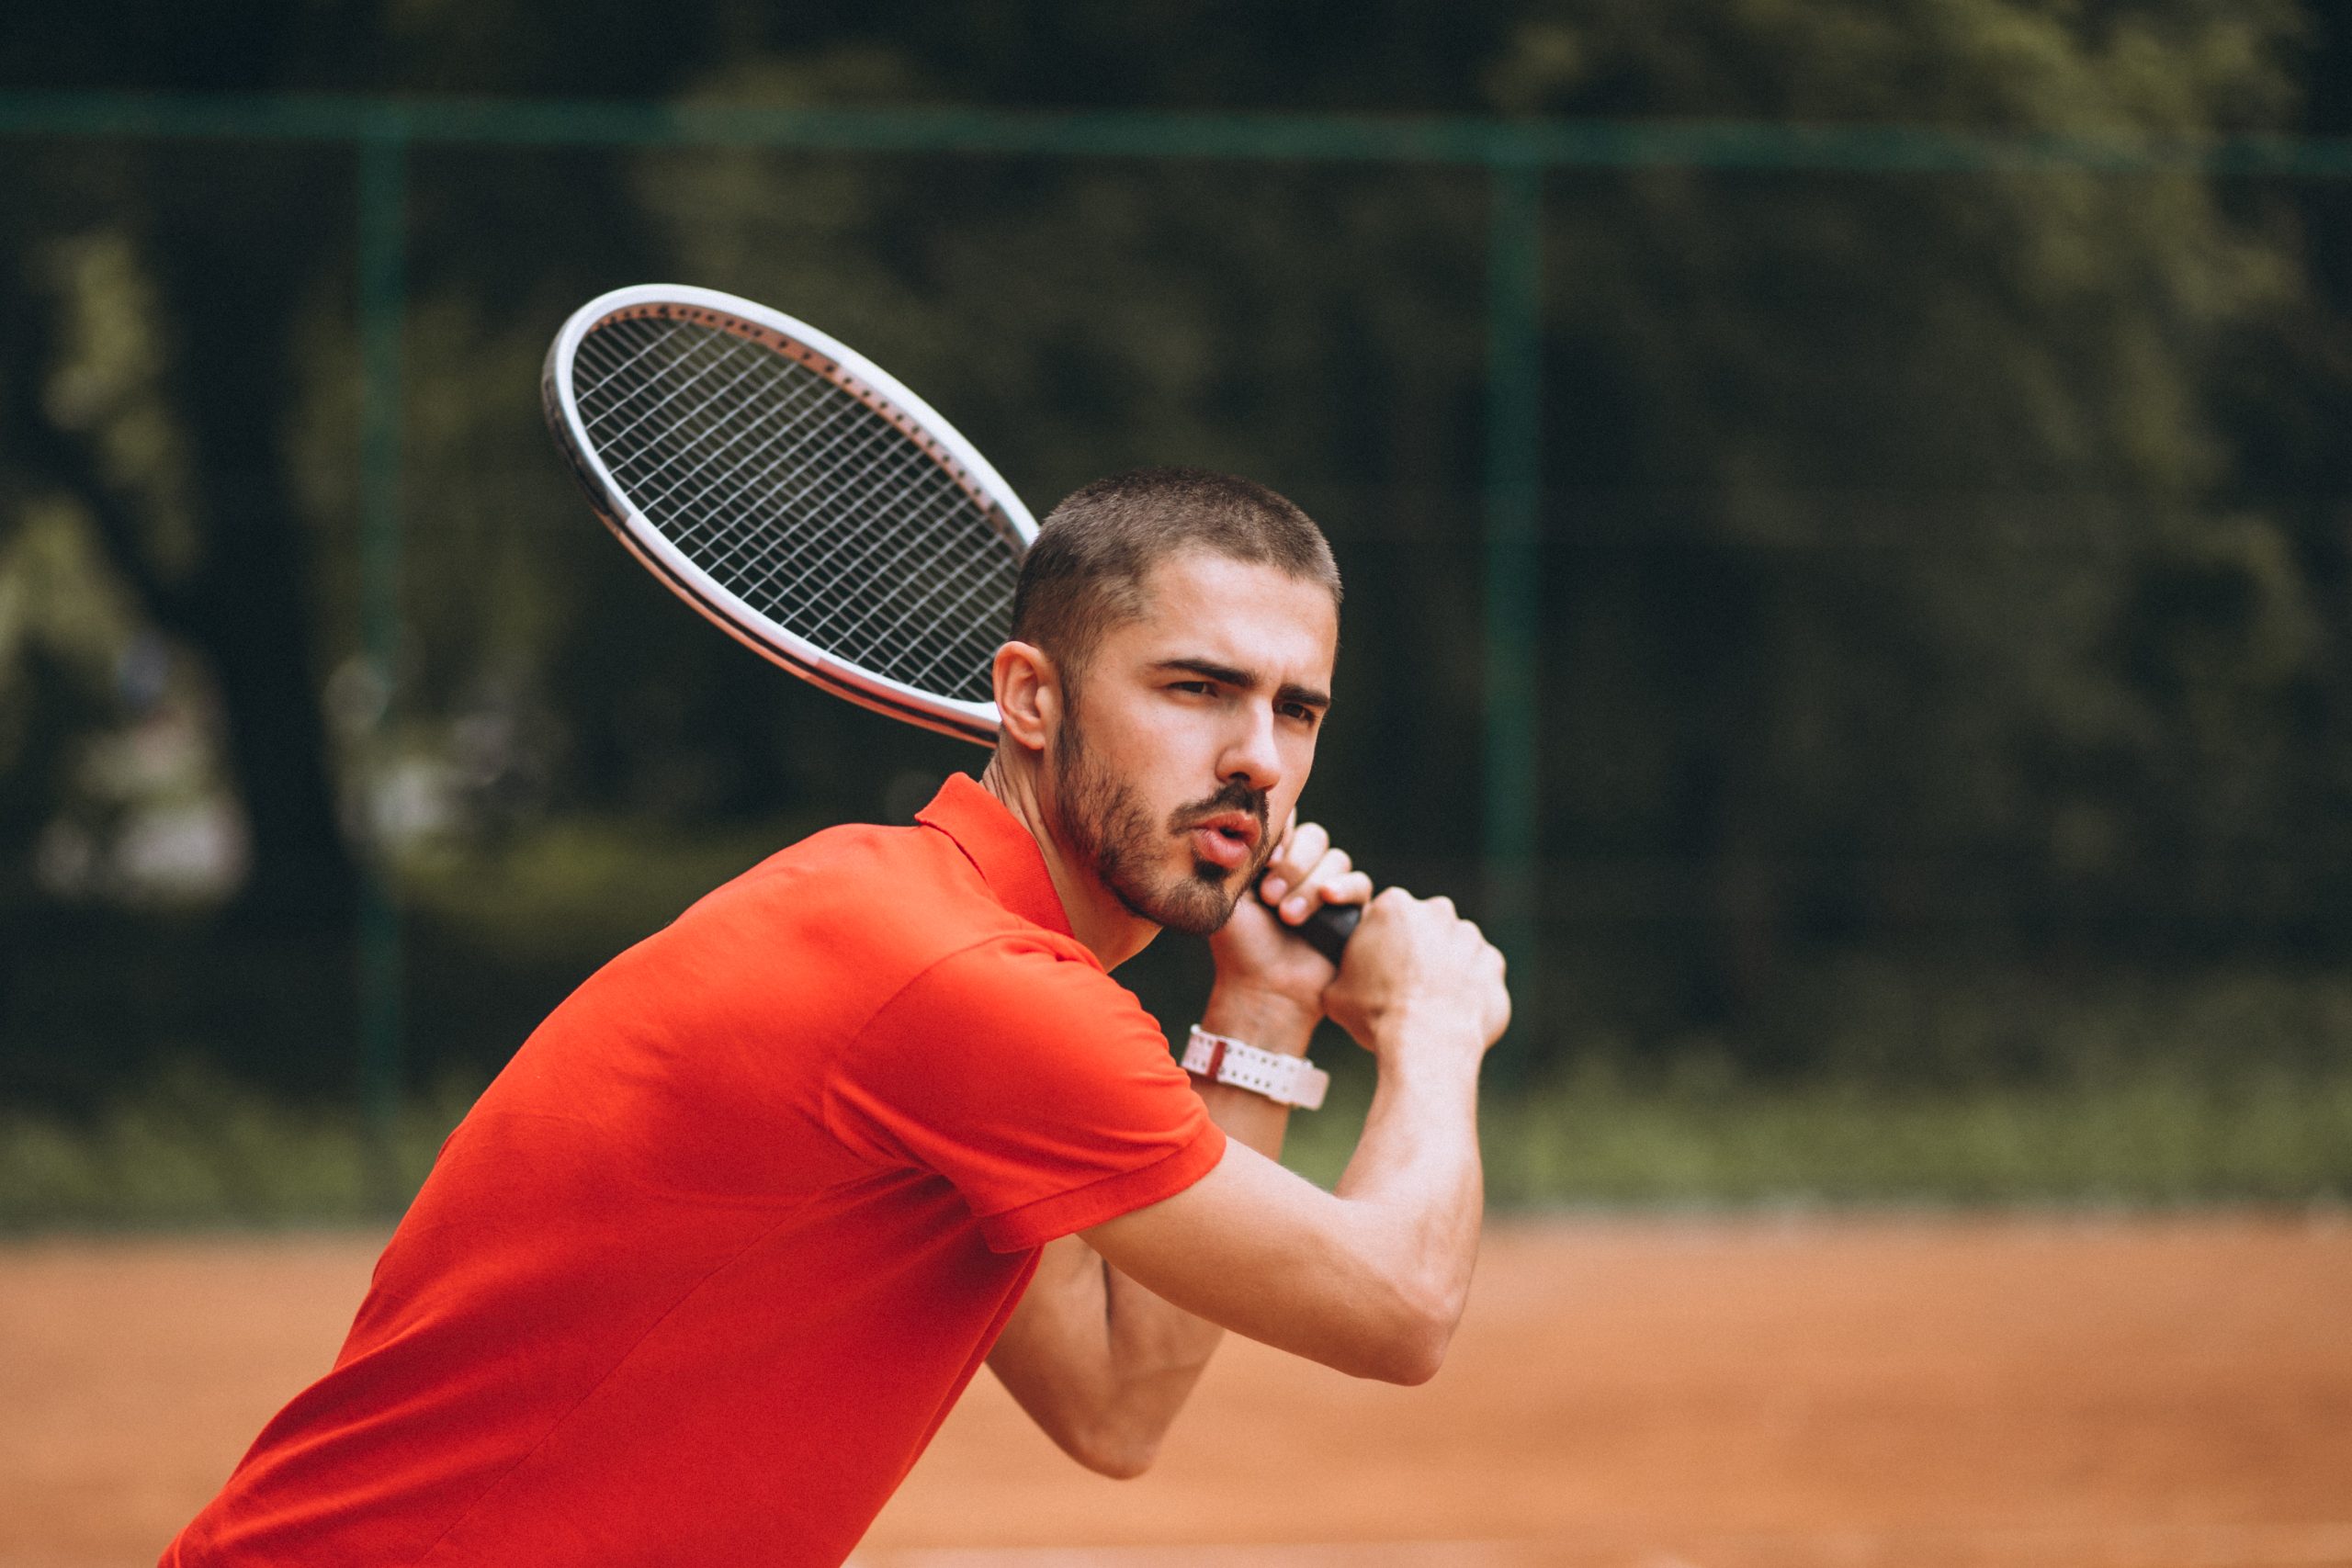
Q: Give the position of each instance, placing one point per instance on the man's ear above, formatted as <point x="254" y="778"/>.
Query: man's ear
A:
<point x="1028" y="693"/>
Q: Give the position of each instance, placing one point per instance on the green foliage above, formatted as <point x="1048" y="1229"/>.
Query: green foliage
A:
<point x="1943" y="573"/>
<point x="2155" y="1137"/>
<point x="2150" y="1140"/>
<point x="1898" y="586"/>
<point x="1963" y="1028"/>
<point x="194" y="1148"/>
<point x="2167" y="66"/>
<point x="580" y="888"/>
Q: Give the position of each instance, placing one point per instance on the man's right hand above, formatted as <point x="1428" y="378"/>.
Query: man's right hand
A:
<point x="1415" y="969"/>
<point x="1371" y="1278"/>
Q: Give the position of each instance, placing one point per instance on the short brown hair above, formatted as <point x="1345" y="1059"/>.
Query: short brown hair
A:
<point x="1084" y="574"/>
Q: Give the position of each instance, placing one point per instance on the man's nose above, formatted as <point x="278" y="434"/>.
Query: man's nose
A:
<point x="1250" y="753"/>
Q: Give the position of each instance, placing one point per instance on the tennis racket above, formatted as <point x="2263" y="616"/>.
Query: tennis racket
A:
<point x="810" y="506"/>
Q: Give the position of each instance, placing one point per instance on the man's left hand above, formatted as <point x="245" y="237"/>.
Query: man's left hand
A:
<point x="1255" y="956"/>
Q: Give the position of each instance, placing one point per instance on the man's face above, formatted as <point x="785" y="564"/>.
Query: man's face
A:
<point x="1188" y="741"/>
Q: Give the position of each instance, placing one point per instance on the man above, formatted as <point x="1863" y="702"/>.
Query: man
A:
<point x="704" y="1270"/>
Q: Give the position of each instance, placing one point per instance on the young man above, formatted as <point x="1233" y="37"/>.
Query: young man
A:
<point x="707" y="1266"/>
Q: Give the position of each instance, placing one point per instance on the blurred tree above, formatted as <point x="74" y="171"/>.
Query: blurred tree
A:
<point x="223" y="260"/>
<point x="1950" y="560"/>
<point x="1896" y="585"/>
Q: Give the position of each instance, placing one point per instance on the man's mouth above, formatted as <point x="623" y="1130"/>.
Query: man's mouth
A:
<point x="1226" y="840"/>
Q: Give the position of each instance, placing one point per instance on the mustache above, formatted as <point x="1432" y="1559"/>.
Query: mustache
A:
<point x="1237" y="796"/>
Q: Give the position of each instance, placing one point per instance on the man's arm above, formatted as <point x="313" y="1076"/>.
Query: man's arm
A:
<point x="1098" y="1361"/>
<point x="1369" y="1281"/>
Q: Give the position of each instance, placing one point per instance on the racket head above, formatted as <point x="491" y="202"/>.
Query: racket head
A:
<point x="795" y="493"/>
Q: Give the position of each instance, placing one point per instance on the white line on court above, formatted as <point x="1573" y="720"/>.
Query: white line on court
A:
<point x="2315" y="1544"/>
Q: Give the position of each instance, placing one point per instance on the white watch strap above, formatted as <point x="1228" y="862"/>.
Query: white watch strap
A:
<point x="1286" y="1080"/>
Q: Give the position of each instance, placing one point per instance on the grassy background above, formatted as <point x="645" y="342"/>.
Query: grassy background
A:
<point x="2160" y="1140"/>
<point x="191" y="1148"/>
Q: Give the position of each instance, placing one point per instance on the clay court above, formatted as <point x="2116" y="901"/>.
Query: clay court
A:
<point x="1703" y="1392"/>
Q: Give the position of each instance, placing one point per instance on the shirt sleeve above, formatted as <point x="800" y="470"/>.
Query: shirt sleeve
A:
<point x="1036" y="1084"/>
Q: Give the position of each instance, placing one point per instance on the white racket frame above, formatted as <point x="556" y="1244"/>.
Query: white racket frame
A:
<point x="976" y="722"/>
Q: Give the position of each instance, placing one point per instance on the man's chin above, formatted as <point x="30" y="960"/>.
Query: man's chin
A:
<point x="1207" y="873"/>
<point x="1213" y="884"/>
<point x="1198" y="905"/>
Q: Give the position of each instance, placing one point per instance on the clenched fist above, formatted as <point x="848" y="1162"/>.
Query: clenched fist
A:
<point x="1416" y="962"/>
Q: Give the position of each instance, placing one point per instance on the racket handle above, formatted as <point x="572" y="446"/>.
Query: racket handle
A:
<point x="1327" y="931"/>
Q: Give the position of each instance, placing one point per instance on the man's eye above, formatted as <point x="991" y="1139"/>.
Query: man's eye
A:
<point x="1203" y="687"/>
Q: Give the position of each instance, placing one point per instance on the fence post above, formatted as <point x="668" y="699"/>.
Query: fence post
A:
<point x="1515" y="475"/>
<point x="383" y="177"/>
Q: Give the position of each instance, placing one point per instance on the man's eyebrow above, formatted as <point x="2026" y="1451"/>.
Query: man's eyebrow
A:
<point x="1230" y="675"/>
<point x="1304" y="696"/>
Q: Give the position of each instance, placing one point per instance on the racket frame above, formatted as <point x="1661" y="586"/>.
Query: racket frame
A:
<point x="1327" y="930"/>
<point x="974" y="721"/>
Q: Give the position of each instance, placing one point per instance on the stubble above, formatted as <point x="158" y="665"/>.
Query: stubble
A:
<point x="1106" y="823"/>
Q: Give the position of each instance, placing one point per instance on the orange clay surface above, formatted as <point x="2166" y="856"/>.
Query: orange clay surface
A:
<point x="1709" y="1392"/>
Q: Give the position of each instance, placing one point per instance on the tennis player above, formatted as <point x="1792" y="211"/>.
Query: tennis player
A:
<point x="704" y="1268"/>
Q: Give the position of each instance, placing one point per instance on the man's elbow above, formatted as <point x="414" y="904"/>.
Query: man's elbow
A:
<point x="1407" y="1343"/>
<point x="1120" y="1464"/>
<point x="1413" y="1353"/>
<point x="1121" y="1454"/>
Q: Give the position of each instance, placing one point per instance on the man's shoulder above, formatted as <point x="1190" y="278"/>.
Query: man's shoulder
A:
<point x="808" y="943"/>
<point x="905" y="888"/>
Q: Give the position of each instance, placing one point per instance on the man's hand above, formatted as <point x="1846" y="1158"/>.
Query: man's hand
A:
<point x="1261" y="964"/>
<point x="1416" y="962"/>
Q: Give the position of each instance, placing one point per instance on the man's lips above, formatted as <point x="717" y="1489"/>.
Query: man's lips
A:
<point x="1226" y="840"/>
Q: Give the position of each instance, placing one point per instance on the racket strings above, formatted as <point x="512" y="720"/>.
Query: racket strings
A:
<point x="678" y="454"/>
<point x="869" y="562"/>
<point x="877" y="438"/>
<point x="794" y="494"/>
<point x="792" y="443"/>
<point x="924" y="515"/>
<point x="880" y="440"/>
<point x="788" y="443"/>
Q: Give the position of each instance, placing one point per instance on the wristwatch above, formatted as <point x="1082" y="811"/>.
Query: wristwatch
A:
<point x="1286" y="1080"/>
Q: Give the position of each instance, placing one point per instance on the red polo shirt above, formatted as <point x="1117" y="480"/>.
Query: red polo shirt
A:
<point x="707" y="1266"/>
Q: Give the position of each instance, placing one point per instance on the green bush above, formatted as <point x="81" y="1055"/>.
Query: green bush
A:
<point x="194" y="1149"/>
<point x="1598" y="1138"/>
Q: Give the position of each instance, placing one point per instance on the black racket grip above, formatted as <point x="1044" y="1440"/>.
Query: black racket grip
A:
<point x="1327" y="931"/>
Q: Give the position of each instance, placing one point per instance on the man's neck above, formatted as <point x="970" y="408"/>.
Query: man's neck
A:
<point x="1111" y="930"/>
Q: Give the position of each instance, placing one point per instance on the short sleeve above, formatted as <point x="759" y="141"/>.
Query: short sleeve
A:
<point x="1034" y="1083"/>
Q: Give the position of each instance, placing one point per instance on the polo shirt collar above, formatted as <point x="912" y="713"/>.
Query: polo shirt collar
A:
<point x="994" y="841"/>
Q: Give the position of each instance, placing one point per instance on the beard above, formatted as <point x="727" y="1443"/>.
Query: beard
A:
<point x="1103" y="819"/>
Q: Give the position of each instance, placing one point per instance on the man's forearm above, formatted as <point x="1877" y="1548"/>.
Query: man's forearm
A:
<point x="1371" y="1279"/>
<point x="1415" y="1178"/>
<point x="1157" y="1351"/>
<point x="1100" y="1362"/>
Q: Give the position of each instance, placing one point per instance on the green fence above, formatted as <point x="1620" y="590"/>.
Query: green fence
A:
<point x="1513" y="158"/>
